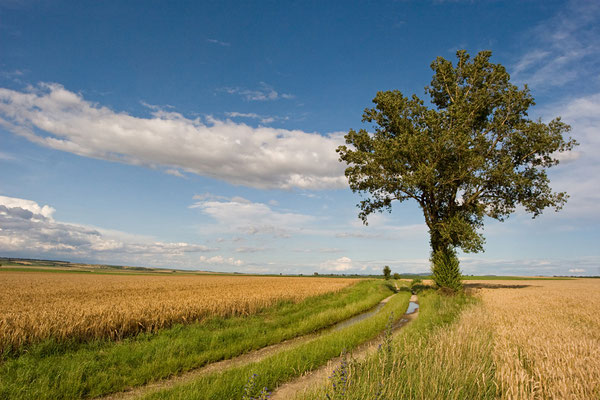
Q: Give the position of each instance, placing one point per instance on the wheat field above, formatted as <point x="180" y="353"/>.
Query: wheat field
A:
<point x="36" y="306"/>
<point x="546" y="337"/>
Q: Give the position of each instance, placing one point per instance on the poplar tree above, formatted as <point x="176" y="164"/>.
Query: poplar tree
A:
<point x="471" y="153"/>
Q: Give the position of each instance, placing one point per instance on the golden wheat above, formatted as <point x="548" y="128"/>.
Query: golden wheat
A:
<point x="547" y="337"/>
<point x="35" y="306"/>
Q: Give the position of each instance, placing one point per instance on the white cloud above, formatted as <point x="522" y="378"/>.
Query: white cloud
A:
<point x="241" y="215"/>
<point x="381" y="227"/>
<point x="339" y="265"/>
<point x="247" y="249"/>
<point x="6" y="156"/>
<point x="28" y="229"/>
<point x="577" y="270"/>
<point x="13" y="202"/>
<point x="174" y="172"/>
<point x="262" y="157"/>
<point x="264" y="93"/>
<point x="358" y="235"/>
<point x="563" y="49"/>
<point x="263" y="119"/>
<point x="579" y="171"/>
<point x="220" y="260"/>
<point x="220" y="43"/>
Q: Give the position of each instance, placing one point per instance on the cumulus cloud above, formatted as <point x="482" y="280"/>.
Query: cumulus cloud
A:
<point x="28" y="229"/>
<point x="583" y="114"/>
<point x="242" y="215"/>
<point x="220" y="260"/>
<point x="14" y="202"/>
<point x="339" y="265"/>
<point x="577" y="270"/>
<point x="262" y="157"/>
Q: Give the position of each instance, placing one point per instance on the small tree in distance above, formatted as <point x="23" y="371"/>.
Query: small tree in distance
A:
<point x="474" y="154"/>
<point x="387" y="272"/>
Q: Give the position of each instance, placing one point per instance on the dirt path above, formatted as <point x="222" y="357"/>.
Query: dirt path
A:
<point x="320" y="376"/>
<point x="243" y="359"/>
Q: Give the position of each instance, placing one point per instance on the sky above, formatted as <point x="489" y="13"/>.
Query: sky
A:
<point x="202" y="135"/>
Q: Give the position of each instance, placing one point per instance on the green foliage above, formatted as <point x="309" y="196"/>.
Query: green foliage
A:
<point x="387" y="272"/>
<point x="416" y="285"/>
<point x="475" y="153"/>
<point x="397" y="276"/>
<point x="445" y="270"/>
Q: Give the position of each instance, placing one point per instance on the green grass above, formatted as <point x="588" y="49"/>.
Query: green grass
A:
<point x="53" y="370"/>
<point x="288" y="364"/>
<point x="421" y="362"/>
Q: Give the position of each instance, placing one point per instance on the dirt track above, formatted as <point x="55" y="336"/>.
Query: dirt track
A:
<point x="243" y="359"/>
<point x="290" y="389"/>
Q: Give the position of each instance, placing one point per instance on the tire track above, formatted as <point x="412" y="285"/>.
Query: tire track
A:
<point x="320" y="376"/>
<point x="247" y="358"/>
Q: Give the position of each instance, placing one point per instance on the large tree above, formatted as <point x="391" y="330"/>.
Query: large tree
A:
<point x="473" y="152"/>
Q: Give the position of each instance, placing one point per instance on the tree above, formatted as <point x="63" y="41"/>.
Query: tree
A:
<point x="387" y="272"/>
<point x="473" y="153"/>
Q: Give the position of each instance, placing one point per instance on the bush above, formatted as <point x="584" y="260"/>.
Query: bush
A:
<point x="445" y="271"/>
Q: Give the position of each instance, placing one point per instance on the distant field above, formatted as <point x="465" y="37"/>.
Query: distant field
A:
<point x="37" y="305"/>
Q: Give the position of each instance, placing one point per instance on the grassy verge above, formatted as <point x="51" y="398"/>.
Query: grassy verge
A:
<point x="447" y="353"/>
<point x="52" y="370"/>
<point x="288" y="364"/>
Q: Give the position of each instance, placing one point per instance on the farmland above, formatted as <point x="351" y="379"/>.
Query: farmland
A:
<point x="165" y="336"/>
<point x="507" y="339"/>
<point x="39" y="305"/>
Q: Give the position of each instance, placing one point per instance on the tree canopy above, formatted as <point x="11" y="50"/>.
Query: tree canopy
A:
<point x="472" y="152"/>
<point x="387" y="272"/>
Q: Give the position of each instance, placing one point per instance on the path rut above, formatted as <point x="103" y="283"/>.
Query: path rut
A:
<point x="320" y="376"/>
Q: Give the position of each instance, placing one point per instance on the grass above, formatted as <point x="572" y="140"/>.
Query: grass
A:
<point x="66" y="370"/>
<point x="287" y="364"/>
<point x="435" y="357"/>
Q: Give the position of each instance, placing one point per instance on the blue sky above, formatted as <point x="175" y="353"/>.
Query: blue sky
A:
<point x="201" y="135"/>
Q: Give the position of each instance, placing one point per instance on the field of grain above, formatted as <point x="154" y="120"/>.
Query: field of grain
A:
<point x="546" y="337"/>
<point x="525" y="340"/>
<point x="36" y="306"/>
